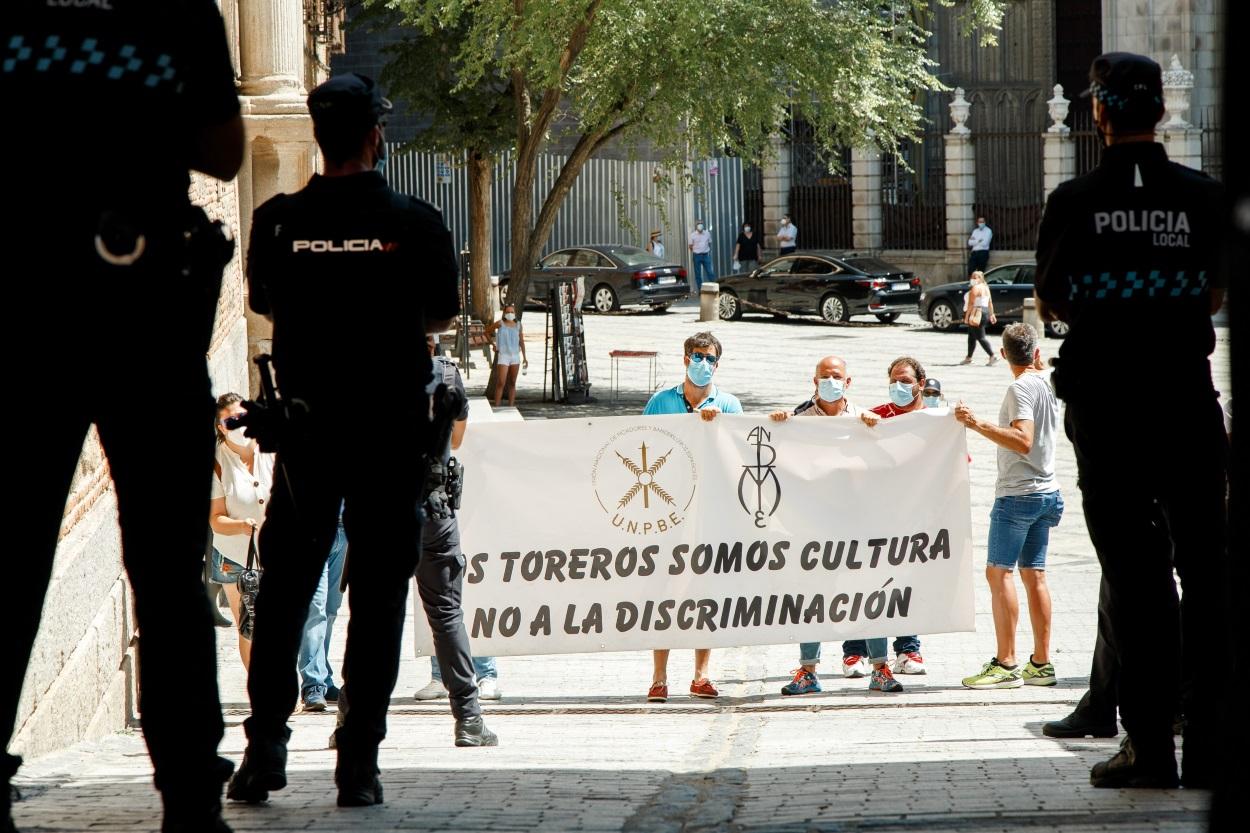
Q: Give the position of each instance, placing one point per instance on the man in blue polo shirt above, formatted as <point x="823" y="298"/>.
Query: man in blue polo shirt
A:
<point x="702" y="353"/>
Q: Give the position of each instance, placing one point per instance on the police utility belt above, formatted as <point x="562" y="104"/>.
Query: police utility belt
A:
<point x="444" y="484"/>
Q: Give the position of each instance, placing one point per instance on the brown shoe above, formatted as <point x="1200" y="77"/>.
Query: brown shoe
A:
<point x="703" y="688"/>
<point x="658" y="693"/>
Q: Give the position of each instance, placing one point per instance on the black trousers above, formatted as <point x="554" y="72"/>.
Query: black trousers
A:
<point x="440" y="579"/>
<point x="976" y="335"/>
<point x="378" y="491"/>
<point x="1150" y="508"/>
<point x="123" y="349"/>
<point x="978" y="260"/>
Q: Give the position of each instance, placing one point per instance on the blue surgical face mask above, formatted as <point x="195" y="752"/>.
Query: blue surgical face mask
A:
<point x="830" y="389"/>
<point x="380" y="164"/>
<point x="700" y="372"/>
<point x="901" y="394"/>
<point x="933" y="401"/>
<point x="980" y="225"/>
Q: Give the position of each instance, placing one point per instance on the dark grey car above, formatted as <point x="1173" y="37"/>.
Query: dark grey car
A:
<point x="943" y="306"/>
<point x="615" y="276"/>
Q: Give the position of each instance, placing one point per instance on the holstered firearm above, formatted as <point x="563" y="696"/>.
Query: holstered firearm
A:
<point x="437" y="500"/>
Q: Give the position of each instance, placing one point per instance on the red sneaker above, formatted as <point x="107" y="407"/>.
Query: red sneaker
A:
<point x="703" y="688"/>
<point x="658" y="693"/>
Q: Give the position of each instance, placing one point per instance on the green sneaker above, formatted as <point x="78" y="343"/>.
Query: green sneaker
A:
<point x="994" y="675"/>
<point x="1035" y="674"/>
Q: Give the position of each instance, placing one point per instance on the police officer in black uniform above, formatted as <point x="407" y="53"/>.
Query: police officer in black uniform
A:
<point x="353" y="275"/>
<point x="1126" y="253"/>
<point x="108" y="106"/>
<point x="440" y="574"/>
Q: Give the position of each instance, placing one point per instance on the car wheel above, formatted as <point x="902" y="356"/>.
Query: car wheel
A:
<point x="833" y="309"/>
<point x="603" y="298"/>
<point x="1057" y="329"/>
<point x="942" y="316"/>
<point x="888" y="317"/>
<point x="728" y="306"/>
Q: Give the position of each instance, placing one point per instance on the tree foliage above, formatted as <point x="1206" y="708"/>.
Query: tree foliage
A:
<point x="692" y="78"/>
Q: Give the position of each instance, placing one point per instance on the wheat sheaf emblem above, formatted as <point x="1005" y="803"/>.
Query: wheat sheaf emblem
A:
<point x="644" y="479"/>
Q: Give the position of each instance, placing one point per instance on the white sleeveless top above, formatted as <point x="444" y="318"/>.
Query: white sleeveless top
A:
<point x="246" y="493"/>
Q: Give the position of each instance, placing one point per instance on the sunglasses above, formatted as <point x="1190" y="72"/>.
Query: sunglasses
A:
<point x="703" y="357"/>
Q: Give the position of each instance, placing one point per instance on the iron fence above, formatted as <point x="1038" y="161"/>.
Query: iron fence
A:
<point x="823" y="212"/>
<point x="753" y="197"/>
<point x="612" y="201"/>
<point x="1212" y="142"/>
<point x="913" y="195"/>
<point x="1009" y="186"/>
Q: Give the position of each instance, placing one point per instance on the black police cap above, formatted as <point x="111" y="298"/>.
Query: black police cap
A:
<point x="348" y="96"/>
<point x="932" y="385"/>
<point x="1124" y="81"/>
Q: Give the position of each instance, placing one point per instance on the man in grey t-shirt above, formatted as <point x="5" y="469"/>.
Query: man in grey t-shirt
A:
<point x="1027" y="504"/>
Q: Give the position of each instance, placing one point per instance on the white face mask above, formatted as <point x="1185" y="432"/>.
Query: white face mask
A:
<point x="699" y="227"/>
<point x="746" y="229"/>
<point x="509" y="316"/>
<point x="235" y="435"/>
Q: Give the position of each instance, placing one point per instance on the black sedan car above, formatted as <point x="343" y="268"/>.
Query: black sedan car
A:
<point x="833" y="285"/>
<point x="1010" y="284"/>
<point x="615" y="276"/>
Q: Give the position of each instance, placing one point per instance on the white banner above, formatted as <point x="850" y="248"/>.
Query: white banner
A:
<point x="630" y="533"/>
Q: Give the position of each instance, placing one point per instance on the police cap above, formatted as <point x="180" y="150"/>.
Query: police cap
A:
<point x="1126" y="82"/>
<point x="932" y="386"/>
<point x="348" y="97"/>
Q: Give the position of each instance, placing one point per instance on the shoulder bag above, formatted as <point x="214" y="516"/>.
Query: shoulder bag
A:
<point x="249" y="587"/>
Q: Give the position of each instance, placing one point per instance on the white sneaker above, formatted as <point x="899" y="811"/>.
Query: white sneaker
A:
<point x="854" y="666"/>
<point x="909" y="663"/>
<point x="434" y="690"/>
<point x="488" y="689"/>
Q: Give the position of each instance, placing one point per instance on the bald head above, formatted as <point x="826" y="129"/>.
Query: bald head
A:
<point x="831" y="366"/>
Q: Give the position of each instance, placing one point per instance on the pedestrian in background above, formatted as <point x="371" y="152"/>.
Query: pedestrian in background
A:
<point x="242" y="479"/>
<point x="656" y="245"/>
<point x="979" y="246"/>
<point x="978" y="314"/>
<point x="787" y="236"/>
<point x="747" y="250"/>
<point x="931" y="394"/>
<point x="1131" y="249"/>
<point x="1027" y="503"/>
<point x="696" y="394"/>
<point x="509" y="354"/>
<point x="316" y="674"/>
<point x="700" y="246"/>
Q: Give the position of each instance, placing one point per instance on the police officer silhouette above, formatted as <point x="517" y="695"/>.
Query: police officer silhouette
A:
<point x="1125" y="253"/>
<point x="119" y="275"/>
<point x="353" y="276"/>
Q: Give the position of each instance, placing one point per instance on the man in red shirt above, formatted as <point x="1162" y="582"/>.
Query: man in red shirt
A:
<point x="907" y="379"/>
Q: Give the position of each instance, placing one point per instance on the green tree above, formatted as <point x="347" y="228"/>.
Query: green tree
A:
<point x="692" y="78"/>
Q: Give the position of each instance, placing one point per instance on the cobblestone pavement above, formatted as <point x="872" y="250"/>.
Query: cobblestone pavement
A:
<point x="582" y="751"/>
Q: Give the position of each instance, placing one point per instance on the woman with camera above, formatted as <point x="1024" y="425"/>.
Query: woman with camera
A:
<point x="242" y="478"/>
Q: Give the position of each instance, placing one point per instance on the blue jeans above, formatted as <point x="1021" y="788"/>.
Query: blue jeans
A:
<point x="483" y="667"/>
<point x="874" y="649"/>
<point x="863" y="647"/>
<point x="1020" y="529"/>
<point x="702" y="265"/>
<point x="314" y="649"/>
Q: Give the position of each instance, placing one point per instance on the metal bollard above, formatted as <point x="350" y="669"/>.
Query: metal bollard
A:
<point x="709" y="302"/>
<point x="1031" y="315"/>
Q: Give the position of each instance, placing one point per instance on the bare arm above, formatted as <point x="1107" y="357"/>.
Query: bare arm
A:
<point x="223" y="524"/>
<point x="1017" y="437"/>
<point x="457" y="432"/>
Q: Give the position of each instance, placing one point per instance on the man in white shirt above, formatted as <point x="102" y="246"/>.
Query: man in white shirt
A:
<point x="787" y="236"/>
<point x="979" y="246"/>
<point x="701" y="248"/>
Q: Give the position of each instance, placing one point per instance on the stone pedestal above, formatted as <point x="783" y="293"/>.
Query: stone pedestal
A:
<point x="1183" y="144"/>
<point x="961" y="187"/>
<point x="866" y="222"/>
<point x="1058" y="149"/>
<point x="775" y="177"/>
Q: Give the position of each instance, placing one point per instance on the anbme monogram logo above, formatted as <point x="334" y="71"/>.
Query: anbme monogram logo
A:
<point x="337" y="246"/>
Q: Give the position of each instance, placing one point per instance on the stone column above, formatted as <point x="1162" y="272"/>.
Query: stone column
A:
<point x="775" y="176"/>
<point x="866" y="222"/>
<point x="1058" y="150"/>
<point x="961" y="178"/>
<point x="1182" y="140"/>
<point x="282" y="154"/>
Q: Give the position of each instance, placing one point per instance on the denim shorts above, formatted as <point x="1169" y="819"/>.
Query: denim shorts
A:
<point x="225" y="571"/>
<point x="1020" y="529"/>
